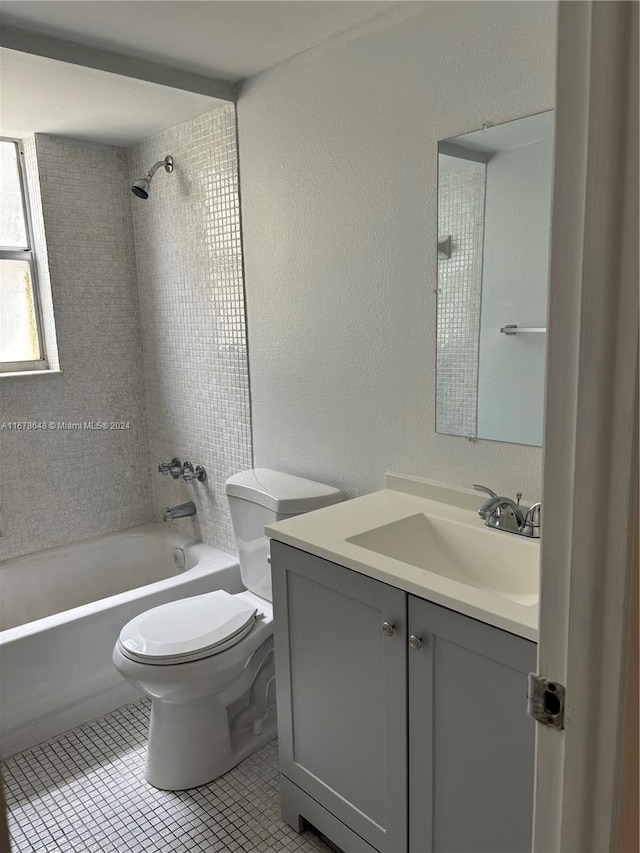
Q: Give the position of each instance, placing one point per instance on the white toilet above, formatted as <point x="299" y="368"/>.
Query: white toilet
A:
<point x="207" y="661"/>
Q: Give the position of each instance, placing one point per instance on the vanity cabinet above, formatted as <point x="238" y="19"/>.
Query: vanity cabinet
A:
<point x="402" y="724"/>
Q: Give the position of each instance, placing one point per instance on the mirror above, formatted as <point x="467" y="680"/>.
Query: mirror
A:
<point x="494" y="216"/>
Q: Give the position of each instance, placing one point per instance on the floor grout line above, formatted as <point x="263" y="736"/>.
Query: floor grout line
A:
<point x="85" y="792"/>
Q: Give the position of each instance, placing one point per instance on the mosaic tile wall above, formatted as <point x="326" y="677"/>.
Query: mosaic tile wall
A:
<point x="189" y="262"/>
<point x="461" y="215"/>
<point x="61" y="485"/>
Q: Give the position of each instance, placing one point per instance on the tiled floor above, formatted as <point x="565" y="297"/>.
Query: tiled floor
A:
<point x="85" y="792"/>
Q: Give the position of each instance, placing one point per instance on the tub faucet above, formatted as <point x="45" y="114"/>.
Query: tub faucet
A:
<point x="180" y="511"/>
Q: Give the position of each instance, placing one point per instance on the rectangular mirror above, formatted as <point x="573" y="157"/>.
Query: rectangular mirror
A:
<point x="494" y="216"/>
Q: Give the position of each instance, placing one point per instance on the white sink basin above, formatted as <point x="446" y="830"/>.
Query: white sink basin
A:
<point x="435" y="549"/>
<point x="500" y="563"/>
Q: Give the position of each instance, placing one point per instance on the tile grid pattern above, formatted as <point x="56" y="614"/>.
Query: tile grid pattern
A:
<point x="74" y="484"/>
<point x="84" y="792"/>
<point x="461" y="215"/>
<point x="190" y="279"/>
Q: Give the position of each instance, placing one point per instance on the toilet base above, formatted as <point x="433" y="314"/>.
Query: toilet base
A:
<point x="191" y="744"/>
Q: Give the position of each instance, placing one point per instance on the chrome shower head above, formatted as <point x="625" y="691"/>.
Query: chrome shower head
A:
<point x="140" y="187"/>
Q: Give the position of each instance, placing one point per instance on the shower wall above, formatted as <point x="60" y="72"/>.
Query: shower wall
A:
<point x="461" y="197"/>
<point x="189" y="266"/>
<point x="149" y="309"/>
<point x="68" y="481"/>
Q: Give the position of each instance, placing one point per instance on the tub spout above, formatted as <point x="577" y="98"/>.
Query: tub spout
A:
<point x="180" y="511"/>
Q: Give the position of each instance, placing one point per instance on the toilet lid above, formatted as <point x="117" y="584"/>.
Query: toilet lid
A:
<point x="188" y="627"/>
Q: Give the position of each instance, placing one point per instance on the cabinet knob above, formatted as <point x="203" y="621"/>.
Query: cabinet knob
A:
<point x="388" y="629"/>
<point x="415" y="642"/>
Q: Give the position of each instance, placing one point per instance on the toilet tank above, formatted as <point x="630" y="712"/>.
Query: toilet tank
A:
<point x="259" y="497"/>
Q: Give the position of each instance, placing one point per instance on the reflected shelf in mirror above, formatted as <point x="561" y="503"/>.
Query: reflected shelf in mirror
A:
<point x="512" y="329"/>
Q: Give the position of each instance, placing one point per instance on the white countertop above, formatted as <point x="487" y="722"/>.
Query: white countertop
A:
<point x="325" y="531"/>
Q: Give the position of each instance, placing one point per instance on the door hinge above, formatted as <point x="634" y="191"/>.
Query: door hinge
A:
<point x="545" y="701"/>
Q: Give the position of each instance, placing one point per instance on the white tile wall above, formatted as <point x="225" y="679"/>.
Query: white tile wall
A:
<point x="461" y="215"/>
<point x="60" y="485"/>
<point x="178" y="285"/>
<point x="189" y="262"/>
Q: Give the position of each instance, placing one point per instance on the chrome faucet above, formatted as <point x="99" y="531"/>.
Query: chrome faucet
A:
<point x="180" y="511"/>
<point x="501" y="513"/>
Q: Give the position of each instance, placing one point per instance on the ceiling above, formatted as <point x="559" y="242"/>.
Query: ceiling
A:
<point x="232" y="40"/>
<point x="41" y="95"/>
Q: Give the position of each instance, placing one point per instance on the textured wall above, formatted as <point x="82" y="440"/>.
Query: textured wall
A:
<point x="58" y="485"/>
<point x="189" y="262"/>
<point x="460" y="216"/>
<point x="338" y="151"/>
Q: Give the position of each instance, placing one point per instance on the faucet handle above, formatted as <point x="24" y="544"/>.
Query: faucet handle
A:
<point x="190" y="473"/>
<point x="174" y="468"/>
<point x="531" y="525"/>
<point x="187" y="472"/>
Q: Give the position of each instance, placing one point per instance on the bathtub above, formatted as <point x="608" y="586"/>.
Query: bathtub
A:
<point x="61" y="611"/>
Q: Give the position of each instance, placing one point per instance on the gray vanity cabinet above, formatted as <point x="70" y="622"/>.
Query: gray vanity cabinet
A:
<point x="342" y="695"/>
<point x="402" y="724"/>
<point x="471" y="742"/>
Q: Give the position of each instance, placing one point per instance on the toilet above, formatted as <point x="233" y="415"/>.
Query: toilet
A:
<point x="207" y="661"/>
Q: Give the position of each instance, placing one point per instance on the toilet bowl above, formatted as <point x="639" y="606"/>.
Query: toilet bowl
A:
<point x="212" y="704"/>
<point x="207" y="661"/>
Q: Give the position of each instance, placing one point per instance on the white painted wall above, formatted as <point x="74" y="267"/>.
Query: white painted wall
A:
<point x="514" y="290"/>
<point x="338" y="162"/>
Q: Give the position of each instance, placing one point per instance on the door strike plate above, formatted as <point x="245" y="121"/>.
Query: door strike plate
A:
<point x="545" y="701"/>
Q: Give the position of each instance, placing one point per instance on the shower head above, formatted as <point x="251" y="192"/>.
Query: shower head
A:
<point x="140" y="187"/>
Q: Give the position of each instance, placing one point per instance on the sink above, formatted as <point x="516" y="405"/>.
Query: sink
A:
<point x="495" y="562"/>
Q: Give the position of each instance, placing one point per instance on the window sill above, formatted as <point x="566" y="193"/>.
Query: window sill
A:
<point x="19" y="373"/>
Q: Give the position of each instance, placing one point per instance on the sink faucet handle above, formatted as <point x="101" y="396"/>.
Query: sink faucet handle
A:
<point x="485" y="489"/>
<point x="531" y="525"/>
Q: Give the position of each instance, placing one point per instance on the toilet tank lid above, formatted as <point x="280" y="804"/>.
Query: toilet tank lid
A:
<point x="282" y="493"/>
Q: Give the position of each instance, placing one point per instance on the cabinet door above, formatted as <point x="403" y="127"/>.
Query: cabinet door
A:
<point x="471" y="743"/>
<point x="341" y="688"/>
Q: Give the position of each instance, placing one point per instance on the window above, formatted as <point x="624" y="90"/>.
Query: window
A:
<point x="21" y="345"/>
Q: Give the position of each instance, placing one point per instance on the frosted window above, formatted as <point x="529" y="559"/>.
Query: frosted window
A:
<point x="18" y="330"/>
<point x="13" y="229"/>
<point x="20" y="347"/>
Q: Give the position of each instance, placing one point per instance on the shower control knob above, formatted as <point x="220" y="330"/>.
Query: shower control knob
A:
<point x="415" y="642"/>
<point x="388" y="629"/>
<point x="175" y="468"/>
<point x="170" y="467"/>
<point x="190" y="473"/>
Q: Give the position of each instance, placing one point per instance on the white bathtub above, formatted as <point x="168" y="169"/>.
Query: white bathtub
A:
<point x="62" y="611"/>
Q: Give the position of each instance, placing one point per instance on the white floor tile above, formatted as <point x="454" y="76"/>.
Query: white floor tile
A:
<point x="85" y="792"/>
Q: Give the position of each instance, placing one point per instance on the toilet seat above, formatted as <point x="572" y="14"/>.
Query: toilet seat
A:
<point x="188" y="629"/>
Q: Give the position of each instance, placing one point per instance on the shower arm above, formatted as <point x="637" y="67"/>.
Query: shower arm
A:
<point x="167" y="163"/>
